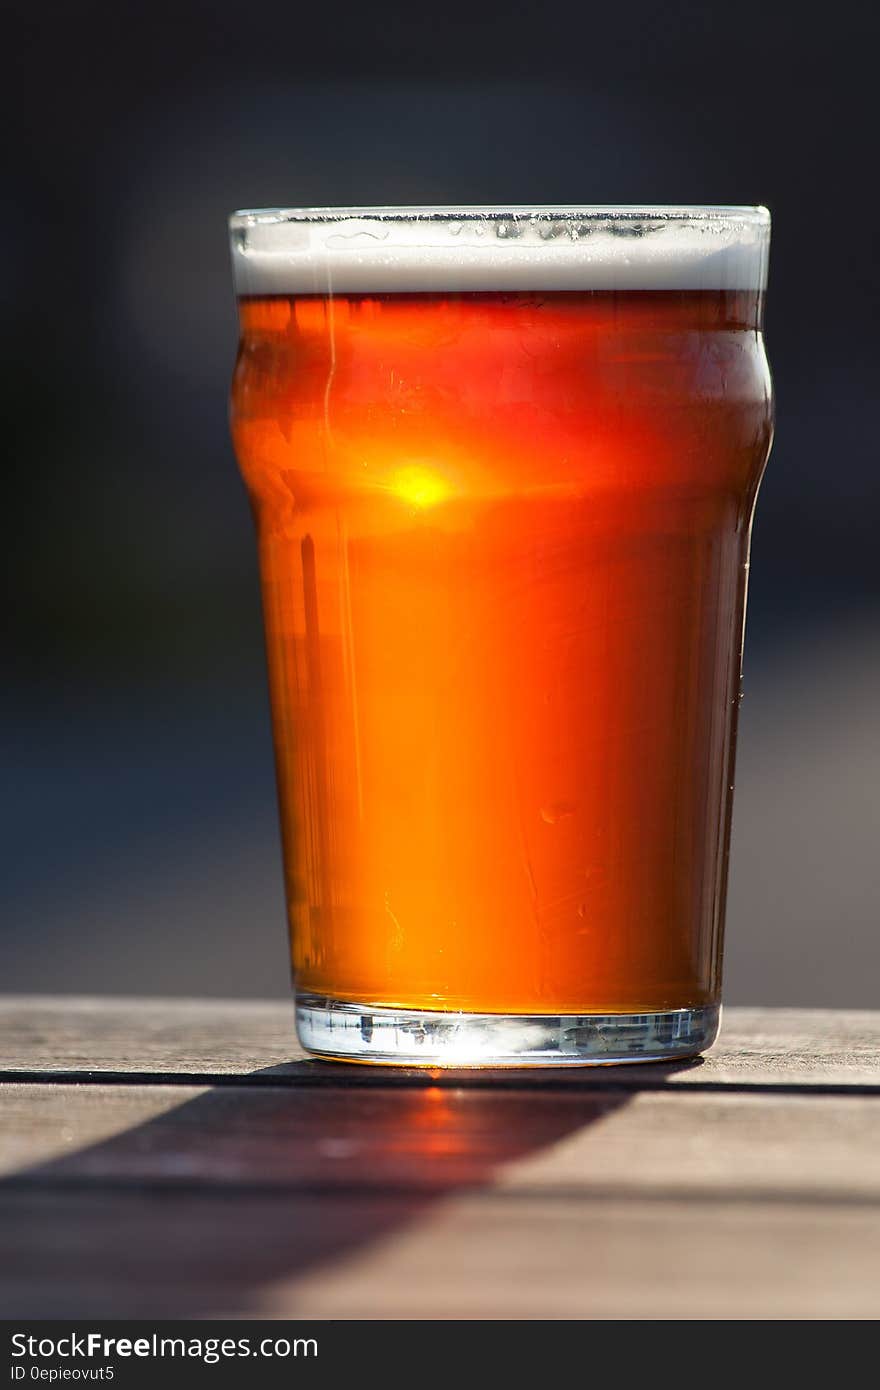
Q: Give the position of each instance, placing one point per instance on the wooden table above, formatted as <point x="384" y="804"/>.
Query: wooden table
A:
<point x="184" y="1159"/>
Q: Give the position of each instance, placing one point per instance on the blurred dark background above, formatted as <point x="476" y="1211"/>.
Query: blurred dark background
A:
<point x="140" y="845"/>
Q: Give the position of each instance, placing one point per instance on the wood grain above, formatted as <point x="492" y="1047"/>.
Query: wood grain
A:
<point x="218" y="1039"/>
<point x="145" y="1255"/>
<point x="422" y="1141"/>
<point x="184" y="1159"/>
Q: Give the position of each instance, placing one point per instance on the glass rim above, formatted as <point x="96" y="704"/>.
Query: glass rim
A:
<point x="745" y="214"/>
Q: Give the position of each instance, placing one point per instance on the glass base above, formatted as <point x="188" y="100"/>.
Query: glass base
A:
<point x="423" y="1038"/>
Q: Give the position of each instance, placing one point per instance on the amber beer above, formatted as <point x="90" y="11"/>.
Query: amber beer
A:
<point x="503" y="467"/>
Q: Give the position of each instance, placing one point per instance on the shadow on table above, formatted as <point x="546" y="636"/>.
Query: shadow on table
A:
<point x="194" y="1210"/>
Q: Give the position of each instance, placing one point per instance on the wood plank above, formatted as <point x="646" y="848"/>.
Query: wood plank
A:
<point x="151" y="1255"/>
<point x="218" y="1040"/>
<point x="608" y="1260"/>
<point x="738" y="1144"/>
<point x="75" y="1034"/>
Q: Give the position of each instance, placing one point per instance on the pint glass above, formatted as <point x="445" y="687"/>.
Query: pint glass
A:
<point x="503" y="464"/>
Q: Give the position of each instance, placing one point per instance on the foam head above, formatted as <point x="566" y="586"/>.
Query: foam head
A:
<point x="411" y="250"/>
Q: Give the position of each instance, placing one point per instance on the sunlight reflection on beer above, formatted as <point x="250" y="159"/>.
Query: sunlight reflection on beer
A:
<point x="419" y="486"/>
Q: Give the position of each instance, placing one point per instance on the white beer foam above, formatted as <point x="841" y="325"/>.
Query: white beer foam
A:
<point x="411" y="250"/>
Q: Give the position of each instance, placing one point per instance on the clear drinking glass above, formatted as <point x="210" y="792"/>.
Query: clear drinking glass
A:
<point x="503" y="464"/>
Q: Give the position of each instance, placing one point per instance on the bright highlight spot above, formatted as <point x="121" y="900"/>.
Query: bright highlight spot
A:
<point x="420" y="487"/>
